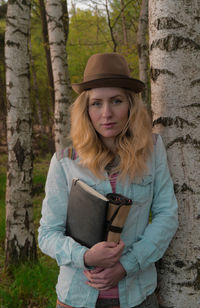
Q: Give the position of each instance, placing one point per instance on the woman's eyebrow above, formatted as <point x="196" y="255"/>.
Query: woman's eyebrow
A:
<point x="117" y="95"/>
<point x="95" y="99"/>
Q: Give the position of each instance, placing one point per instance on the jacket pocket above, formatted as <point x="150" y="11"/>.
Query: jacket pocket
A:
<point x="142" y="190"/>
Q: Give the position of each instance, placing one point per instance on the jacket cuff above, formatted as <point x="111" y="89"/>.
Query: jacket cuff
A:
<point x="78" y="256"/>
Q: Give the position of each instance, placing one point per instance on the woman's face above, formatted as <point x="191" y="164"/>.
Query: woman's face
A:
<point x="108" y="110"/>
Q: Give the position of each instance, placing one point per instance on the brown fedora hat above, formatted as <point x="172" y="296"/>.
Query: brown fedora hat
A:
<point x="107" y="70"/>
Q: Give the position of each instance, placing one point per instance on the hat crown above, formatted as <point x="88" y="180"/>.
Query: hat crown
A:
<point x="106" y="65"/>
<point x="107" y="70"/>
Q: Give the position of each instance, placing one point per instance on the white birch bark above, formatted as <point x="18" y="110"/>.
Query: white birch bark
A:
<point x="20" y="239"/>
<point x="62" y="88"/>
<point x="175" y="72"/>
<point x="143" y="50"/>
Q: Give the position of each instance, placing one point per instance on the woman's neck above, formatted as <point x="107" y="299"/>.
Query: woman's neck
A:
<point x="109" y="143"/>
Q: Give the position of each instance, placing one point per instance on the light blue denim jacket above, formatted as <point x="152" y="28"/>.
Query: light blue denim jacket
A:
<point x="145" y="242"/>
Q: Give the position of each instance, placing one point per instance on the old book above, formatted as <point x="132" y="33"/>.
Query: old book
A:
<point x="93" y="217"/>
<point x="86" y="215"/>
<point x="118" y="210"/>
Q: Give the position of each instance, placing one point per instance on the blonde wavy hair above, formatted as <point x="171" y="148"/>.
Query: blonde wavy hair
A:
<point x="133" y="145"/>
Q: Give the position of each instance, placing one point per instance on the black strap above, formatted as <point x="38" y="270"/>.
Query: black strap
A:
<point x="115" y="229"/>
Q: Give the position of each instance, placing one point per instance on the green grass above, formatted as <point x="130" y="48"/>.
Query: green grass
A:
<point x="30" y="284"/>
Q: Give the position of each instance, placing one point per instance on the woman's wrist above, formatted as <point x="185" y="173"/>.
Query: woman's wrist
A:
<point x="86" y="259"/>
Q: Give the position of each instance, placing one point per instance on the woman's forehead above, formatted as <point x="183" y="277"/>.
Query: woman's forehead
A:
<point x="106" y="92"/>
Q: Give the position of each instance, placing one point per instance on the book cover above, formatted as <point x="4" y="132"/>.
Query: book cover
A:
<point x="93" y="217"/>
<point x="86" y="215"/>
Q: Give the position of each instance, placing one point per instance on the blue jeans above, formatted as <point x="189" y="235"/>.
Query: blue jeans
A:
<point x="150" y="302"/>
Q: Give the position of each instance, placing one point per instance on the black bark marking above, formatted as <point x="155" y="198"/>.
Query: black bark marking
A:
<point x="182" y="188"/>
<point x="62" y="81"/>
<point x="195" y="82"/>
<point x="173" y="43"/>
<point x="12" y="251"/>
<point x="54" y="4"/>
<point x="10" y="85"/>
<point x="10" y="177"/>
<point x="188" y="6"/>
<point x="155" y="73"/>
<point x="197" y="280"/>
<point x="26" y="220"/>
<point x="15" y="215"/>
<point x="26" y="75"/>
<point x="12" y="44"/>
<point x="21" y="122"/>
<point x="10" y="23"/>
<point x="19" y="153"/>
<point x="192" y="105"/>
<point x="12" y="130"/>
<point x="26" y="3"/>
<point x="16" y="253"/>
<point x="141" y="48"/>
<point x="18" y="125"/>
<point x="26" y="34"/>
<point x="177" y="121"/>
<point x="60" y="119"/>
<point x="193" y="283"/>
<point x="196" y="283"/>
<point x="167" y="23"/>
<point x="185" y="140"/>
<point x="179" y="263"/>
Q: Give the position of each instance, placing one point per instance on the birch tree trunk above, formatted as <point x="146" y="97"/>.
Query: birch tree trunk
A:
<point x="143" y="50"/>
<point x="56" y="20"/>
<point x="175" y="72"/>
<point x="20" y="239"/>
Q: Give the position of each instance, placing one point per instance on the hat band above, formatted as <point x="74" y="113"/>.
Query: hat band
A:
<point x="101" y="76"/>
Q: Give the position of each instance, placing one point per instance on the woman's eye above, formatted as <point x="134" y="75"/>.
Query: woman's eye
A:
<point x="96" y="103"/>
<point x="117" y="101"/>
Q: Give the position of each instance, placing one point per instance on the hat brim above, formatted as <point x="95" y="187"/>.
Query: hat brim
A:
<point x="127" y="83"/>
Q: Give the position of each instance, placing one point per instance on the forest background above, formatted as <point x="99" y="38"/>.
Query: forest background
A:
<point x="89" y="32"/>
<point x="94" y="26"/>
<point x="172" y="47"/>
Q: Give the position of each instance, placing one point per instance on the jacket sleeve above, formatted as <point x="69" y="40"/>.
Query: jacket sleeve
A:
<point x="52" y="240"/>
<point x="153" y="243"/>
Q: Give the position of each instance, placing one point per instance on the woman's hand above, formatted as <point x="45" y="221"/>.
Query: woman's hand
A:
<point x="104" y="279"/>
<point x="104" y="254"/>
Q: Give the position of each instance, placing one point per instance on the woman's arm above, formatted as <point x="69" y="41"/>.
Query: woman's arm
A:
<point x="52" y="238"/>
<point x="158" y="234"/>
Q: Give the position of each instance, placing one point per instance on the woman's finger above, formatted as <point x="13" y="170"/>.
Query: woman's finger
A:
<point x="93" y="278"/>
<point x="99" y="286"/>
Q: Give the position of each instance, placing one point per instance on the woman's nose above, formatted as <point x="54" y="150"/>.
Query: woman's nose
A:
<point x="107" y="110"/>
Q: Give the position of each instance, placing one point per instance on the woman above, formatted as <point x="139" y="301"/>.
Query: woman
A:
<point x="113" y="151"/>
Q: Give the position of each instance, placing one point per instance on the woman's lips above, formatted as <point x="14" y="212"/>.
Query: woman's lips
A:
<point x="108" y="125"/>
